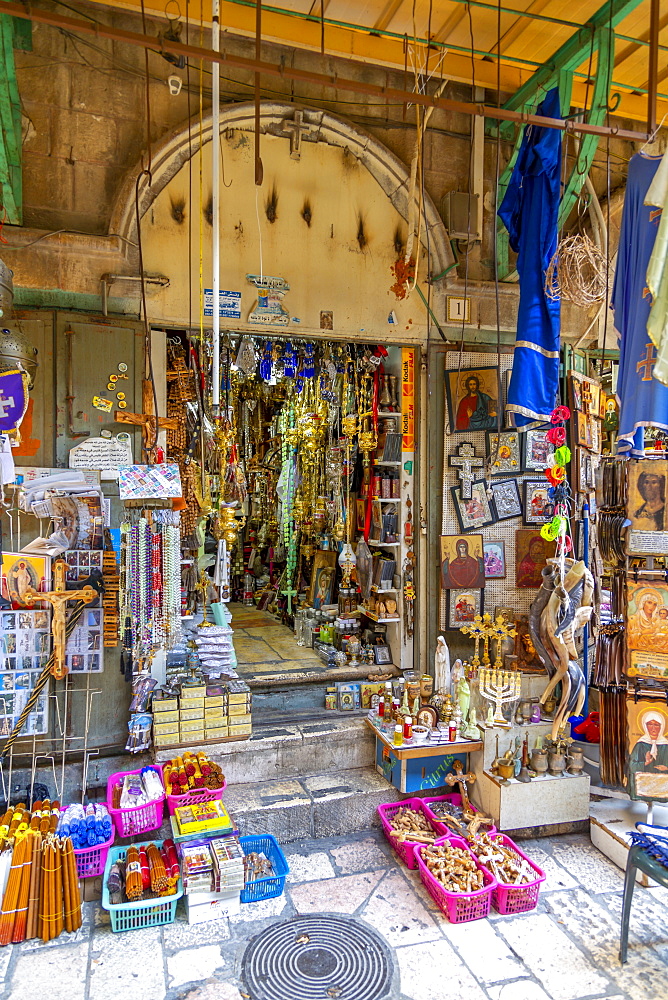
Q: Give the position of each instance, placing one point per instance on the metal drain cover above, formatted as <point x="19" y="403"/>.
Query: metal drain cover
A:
<point x="317" y="958"/>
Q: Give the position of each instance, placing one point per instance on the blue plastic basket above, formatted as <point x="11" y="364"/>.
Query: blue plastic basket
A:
<point x="146" y="913"/>
<point x="271" y="885"/>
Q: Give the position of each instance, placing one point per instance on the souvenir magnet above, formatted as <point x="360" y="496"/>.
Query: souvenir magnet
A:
<point x="120" y="395"/>
<point x="110" y="387"/>
<point x="113" y="378"/>
<point x="100" y="403"/>
<point x="122" y="404"/>
<point x="122" y="367"/>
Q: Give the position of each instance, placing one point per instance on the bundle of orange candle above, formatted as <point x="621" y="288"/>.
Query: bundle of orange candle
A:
<point x="190" y="771"/>
<point x="40" y="895"/>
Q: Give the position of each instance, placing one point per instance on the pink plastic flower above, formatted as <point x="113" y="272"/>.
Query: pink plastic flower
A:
<point x="557" y="436"/>
<point x="559" y="414"/>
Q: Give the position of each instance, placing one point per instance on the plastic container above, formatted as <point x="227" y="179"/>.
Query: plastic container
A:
<point x="146" y="913"/>
<point x="92" y="860"/>
<point x="406" y="848"/>
<point x="193" y="796"/>
<point x="456" y="800"/>
<point x="270" y="885"/>
<point x="458" y="907"/>
<point x="140" y="819"/>
<point x="517" y="898"/>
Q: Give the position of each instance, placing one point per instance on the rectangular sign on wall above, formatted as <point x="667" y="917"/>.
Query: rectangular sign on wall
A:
<point x="229" y="303"/>
<point x="408" y="398"/>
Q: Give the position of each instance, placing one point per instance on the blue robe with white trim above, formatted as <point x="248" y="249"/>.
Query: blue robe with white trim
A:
<point x="530" y="212"/>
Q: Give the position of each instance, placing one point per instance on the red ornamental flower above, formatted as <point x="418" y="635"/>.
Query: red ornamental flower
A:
<point x="556" y="475"/>
<point x="565" y="542"/>
<point x="557" y="436"/>
<point x="559" y="414"/>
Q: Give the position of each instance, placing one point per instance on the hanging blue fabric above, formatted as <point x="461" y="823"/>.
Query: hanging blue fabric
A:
<point x="530" y="212"/>
<point x="643" y="400"/>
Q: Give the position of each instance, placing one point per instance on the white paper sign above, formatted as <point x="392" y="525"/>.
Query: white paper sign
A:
<point x="105" y="454"/>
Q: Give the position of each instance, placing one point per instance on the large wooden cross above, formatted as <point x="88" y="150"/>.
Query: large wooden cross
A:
<point x="146" y="420"/>
<point x="59" y="597"/>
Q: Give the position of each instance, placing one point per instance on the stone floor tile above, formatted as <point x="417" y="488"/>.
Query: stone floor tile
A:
<point x="193" y="965"/>
<point x="181" y="934"/>
<point x="80" y="936"/>
<point x="127" y="964"/>
<point x="649" y="916"/>
<point x="5" y="957"/>
<point x="413" y="878"/>
<point x="433" y="972"/>
<point x="213" y="991"/>
<point x="556" y="876"/>
<point x="564" y="971"/>
<point x="585" y="863"/>
<point x="397" y="912"/>
<point x="593" y="923"/>
<point x="524" y="989"/>
<point x="360" y="856"/>
<point x="344" y="895"/>
<point x="485" y="953"/>
<point x="311" y="867"/>
<point x="261" y="910"/>
<point x="254" y="651"/>
<point x="59" y="973"/>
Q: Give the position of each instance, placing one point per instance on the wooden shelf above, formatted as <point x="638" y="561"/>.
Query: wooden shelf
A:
<point x="388" y="590"/>
<point x="374" y="617"/>
<point x="395" y="465"/>
<point x="388" y="413"/>
<point x="385" y="500"/>
<point x="406" y="752"/>
<point x="388" y="545"/>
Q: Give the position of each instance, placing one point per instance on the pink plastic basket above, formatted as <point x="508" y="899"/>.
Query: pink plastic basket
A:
<point x="406" y="849"/>
<point x="517" y="898"/>
<point x="456" y="799"/>
<point x="193" y="796"/>
<point x="458" y="907"/>
<point x="141" y="819"/>
<point x="91" y="860"/>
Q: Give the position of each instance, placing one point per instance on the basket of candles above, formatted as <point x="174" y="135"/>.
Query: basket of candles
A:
<point x="192" y="778"/>
<point x="407" y="825"/>
<point x="92" y="833"/>
<point x="265" y="868"/>
<point x="142" y="885"/>
<point x="455" y="880"/>
<point x="518" y="879"/>
<point x="136" y="800"/>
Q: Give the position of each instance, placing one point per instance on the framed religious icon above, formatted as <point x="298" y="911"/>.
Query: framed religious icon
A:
<point x="473" y="398"/>
<point x="584" y="469"/>
<point x="506" y="497"/>
<point x="595" y="428"/>
<point x="575" y="391"/>
<point x="462" y="562"/>
<point x="537" y="450"/>
<point x="495" y="560"/>
<point x="647" y="629"/>
<point x="20" y="572"/>
<point x="646" y="507"/>
<point x="463" y="606"/>
<point x="525" y="651"/>
<point x="382" y="654"/>
<point x="504" y="452"/>
<point x="538" y="508"/>
<point x="323" y="575"/>
<point x="583" y="430"/>
<point x="647" y="768"/>
<point x="531" y="553"/>
<point x="475" y="513"/>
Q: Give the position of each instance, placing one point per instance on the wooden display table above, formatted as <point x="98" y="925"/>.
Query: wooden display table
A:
<point x="419" y="766"/>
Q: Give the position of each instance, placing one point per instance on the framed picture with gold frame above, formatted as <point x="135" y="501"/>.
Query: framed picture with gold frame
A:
<point x="323" y="575"/>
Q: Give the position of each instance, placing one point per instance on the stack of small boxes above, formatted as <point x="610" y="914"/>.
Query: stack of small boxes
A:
<point x="202" y="713"/>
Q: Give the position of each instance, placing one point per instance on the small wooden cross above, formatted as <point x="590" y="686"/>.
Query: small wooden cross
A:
<point x="466" y="461"/>
<point x="463" y="780"/>
<point x="146" y="419"/>
<point x="296" y="128"/>
<point x="59" y="597"/>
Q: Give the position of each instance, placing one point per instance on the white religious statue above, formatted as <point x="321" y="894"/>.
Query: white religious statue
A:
<point x="472" y="732"/>
<point x="442" y="667"/>
<point x="463" y="696"/>
<point x="456" y="675"/>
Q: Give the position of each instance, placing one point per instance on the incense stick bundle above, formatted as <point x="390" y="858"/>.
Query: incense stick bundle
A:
<point x="35" y="883"/>
<point x="10" y="899"/>
<point x="21" y="918"/>
<point x="157" y="868"/>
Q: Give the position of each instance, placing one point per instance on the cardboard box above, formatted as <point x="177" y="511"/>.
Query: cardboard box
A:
<point x="212" y="909"/>
<point x="217" y="734"/>
<point x="171" y="716"/>
<point x="238" y="709"/>
<point x="191" y="703"/>
<point x="203" y="816"/>
<point x="164" y="704"/>
<point x="240" y="730"/>
<point x="193" y="690"/>
<point x="166" y="740"/>
<point x="191" y="725"/>
<point x="237" y="698"/>
<point x="216" y="713"/>
<point x="188" y="714"/>
<point x="215" y="701"/>
<point x="240" y="720"/>
<point x="191" y="737"/>
<point x="165" y="729"/>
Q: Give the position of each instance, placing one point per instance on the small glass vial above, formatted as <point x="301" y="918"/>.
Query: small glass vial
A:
<point x="452" y="731"/>
<point x="408" y="727"/>
<point x="398" y="739"/>
<point x="381" y="708"/>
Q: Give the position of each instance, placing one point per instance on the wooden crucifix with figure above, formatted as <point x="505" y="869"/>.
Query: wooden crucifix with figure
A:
<point x="59" y="598"/>
<point x="146" y="420"/>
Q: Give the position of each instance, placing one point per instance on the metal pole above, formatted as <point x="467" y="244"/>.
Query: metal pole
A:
<point x="215" y="210"/>
<point x="653" y="83"/>
<point x="585" y="631"/>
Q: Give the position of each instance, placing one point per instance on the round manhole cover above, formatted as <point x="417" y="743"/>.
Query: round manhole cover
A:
<point x="317" y="958"/>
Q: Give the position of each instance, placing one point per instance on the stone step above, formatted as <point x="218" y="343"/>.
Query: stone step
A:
<point x="322" y="805"/>
<point x="293" y="751"/>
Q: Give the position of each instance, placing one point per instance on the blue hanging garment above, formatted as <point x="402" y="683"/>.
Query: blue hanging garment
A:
<point x="530" y="212"/>
<point x="643" y="401"/>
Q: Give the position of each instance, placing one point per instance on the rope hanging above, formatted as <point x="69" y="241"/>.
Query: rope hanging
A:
<point x="577" y="272"/>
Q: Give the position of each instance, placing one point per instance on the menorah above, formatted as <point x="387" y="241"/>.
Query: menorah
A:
<point x="501" y="687"/>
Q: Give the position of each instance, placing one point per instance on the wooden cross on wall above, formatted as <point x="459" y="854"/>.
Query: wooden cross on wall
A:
<point x="466" y="461"/>
<point x="296" y="128"/>
<point x="146" y="420"/>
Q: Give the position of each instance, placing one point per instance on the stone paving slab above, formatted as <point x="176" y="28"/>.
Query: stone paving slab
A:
<point x="566" y="949"/>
